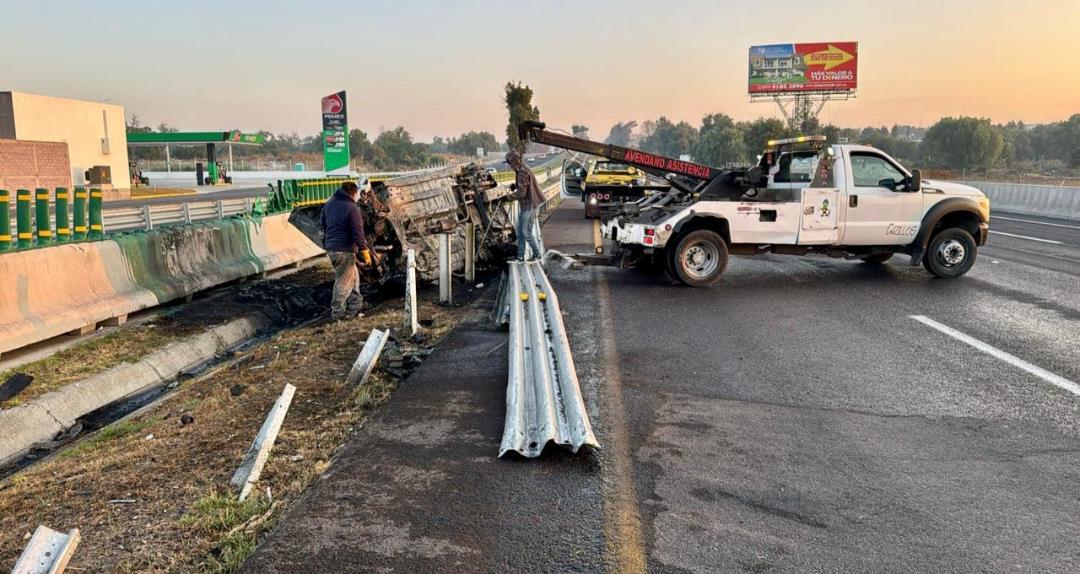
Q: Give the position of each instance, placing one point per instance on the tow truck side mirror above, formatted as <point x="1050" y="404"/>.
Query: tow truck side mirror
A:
<point x="888" y="183"/>
<point x="916" y="180"/>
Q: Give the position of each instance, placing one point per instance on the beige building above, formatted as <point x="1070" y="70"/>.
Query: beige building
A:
<point x="95" y="133"/>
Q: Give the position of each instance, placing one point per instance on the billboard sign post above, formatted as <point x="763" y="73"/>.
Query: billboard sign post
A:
<point x="335" y="134"/>
<point x="828" y="67"/>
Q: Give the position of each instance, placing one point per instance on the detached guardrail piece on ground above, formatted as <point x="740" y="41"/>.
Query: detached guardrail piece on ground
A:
<point x="48" y="552"/>
<point x="543" y="397"/>
<point x="251" y="467"/>
<point x="367" y="358"/>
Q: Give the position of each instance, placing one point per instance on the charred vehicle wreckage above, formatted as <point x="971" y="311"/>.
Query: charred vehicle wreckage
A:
<point x="410" y="212"/>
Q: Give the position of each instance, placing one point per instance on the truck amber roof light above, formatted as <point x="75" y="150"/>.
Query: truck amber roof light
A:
<point x="800" y="139"/>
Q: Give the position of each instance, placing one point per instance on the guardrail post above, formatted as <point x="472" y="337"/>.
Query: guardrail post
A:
<point x="63" y="218"/>
<point x="148" y="220"/>
<point x="220" y="209"/>
<point x="97" y="229"/>
<point x="411" y="324"/>
<point x="470" y="252"/>
<point x="22" y="218"/>
<point x="445" y="294"/>
<point x="80" y="213"/>
<point x="5" y="220"/>
<point x="187" y="212"/>
<point x="41" y="216"/>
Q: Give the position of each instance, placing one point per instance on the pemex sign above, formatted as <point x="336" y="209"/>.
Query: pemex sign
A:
<point x="827" y="67"/>
<point x="335" y="134"/>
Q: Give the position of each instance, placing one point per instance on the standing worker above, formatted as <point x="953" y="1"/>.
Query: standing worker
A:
<point x="343" y="239"/>
<point x="527" y="192"/>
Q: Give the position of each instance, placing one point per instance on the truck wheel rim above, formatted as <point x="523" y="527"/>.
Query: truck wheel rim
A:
<point x="700" y="260"/>
<point x="951" y="253"/>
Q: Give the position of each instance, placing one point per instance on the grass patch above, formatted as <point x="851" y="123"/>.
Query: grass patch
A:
<point x="107" y="434"/>
<point x="218" y="513"/>
<point x="229" y="554"/>
<point x="374" y="392"/>
<point x="91" y="357"/>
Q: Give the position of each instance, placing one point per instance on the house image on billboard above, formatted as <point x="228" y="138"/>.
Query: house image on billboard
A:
<point x="776" y="61"/>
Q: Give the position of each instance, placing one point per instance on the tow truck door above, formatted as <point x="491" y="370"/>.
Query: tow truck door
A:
<point x="875" y="214"/>
<point x="573" y="178"/>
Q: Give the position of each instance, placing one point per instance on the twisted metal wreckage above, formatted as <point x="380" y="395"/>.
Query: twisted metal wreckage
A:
<point x="412" y="211"/>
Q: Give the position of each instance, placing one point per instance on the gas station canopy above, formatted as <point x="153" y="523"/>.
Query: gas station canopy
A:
<point x="234" y="137"/>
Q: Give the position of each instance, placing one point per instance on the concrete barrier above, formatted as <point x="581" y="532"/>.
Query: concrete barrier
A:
<point x="51" y="291"/>
<point x="277" y="243"/>
<point x="1030" y="199"/>
<point x="40" y="419"/>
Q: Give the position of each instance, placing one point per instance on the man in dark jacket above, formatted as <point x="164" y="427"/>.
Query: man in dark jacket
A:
<point x="527" y="192"/>
<point x="343" y="239"/>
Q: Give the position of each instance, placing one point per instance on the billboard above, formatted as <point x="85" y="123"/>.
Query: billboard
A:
<point x="335" y="134"/>
<point x="798" y="68"/>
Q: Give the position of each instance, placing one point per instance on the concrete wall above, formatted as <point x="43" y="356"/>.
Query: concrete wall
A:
<point x="51" y="291"/>
<point x="1028" y="199"/>
<point x="29" y="165"/>
<point x="82" y="125"/>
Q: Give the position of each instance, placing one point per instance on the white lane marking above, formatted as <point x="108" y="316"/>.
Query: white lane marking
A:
<point x="1026" y="237"/>
<point x="1013" y="360"/>
<point x="1035" y="222"/>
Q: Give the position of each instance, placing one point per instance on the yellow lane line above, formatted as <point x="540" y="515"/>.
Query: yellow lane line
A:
<point x="625" y="547"/>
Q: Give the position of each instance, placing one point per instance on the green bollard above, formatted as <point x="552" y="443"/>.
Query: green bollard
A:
<point x="63" y="219"/>
<point x="80" y="213"/>
<point x="41" y="216"/>
<point x="22" y="218"/>
<point x="5" y="220"/>
<point x="96" y="229"/>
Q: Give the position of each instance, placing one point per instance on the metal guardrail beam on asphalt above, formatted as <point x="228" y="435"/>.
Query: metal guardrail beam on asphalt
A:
<point x="543" y="398"/>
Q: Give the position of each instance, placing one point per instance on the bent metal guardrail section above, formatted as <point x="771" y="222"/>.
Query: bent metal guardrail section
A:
<point x="543" y="397"/>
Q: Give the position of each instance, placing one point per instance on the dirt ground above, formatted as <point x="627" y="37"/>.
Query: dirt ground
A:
<point x="297" y="297"/>
<point x="151" y="493"/>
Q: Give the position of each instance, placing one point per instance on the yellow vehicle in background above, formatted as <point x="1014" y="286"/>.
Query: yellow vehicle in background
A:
<point x="609" y="184"/>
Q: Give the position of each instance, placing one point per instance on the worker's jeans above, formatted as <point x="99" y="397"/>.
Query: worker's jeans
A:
<point x="346" y="299"/>
<point x="526" y="233"/>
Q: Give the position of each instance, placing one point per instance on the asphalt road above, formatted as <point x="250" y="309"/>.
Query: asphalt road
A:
<point x="806" y="415"/>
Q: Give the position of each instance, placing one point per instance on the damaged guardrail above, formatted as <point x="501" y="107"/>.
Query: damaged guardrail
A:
<point x="543" y="397"/>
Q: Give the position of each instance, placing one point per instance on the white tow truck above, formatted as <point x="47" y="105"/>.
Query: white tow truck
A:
<point x="804" y="197"/>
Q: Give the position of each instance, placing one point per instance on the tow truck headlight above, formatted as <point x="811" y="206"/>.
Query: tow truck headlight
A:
<point x="984" y="208"/>
<point x="592" y="200"/>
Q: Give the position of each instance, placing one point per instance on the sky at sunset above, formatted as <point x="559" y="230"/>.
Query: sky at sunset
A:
<point x="438" y="67"/>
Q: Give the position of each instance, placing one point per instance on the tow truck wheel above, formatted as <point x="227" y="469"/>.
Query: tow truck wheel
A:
<point x="877" y="258"/>
<point x="700" y="258"/>
<point x="951" y="253"/>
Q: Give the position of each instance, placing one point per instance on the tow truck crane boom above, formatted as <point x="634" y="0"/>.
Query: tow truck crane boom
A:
<point x="705" y="180"/>
<point x="656" y="164"/>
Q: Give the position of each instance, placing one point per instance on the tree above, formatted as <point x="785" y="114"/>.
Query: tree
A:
<point x="756" y="134"/>
<point x="400" y="150"/>
<point x="719" y="142"/>
<point x="134" y="126"/>
<point x="621" y="133"/>
<point x="468" y="142"/>
<point x="519" y="106"/>
<point x="580" y="131"/>
<point x="670" y="139"/>
<point x="964" y="143"/>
